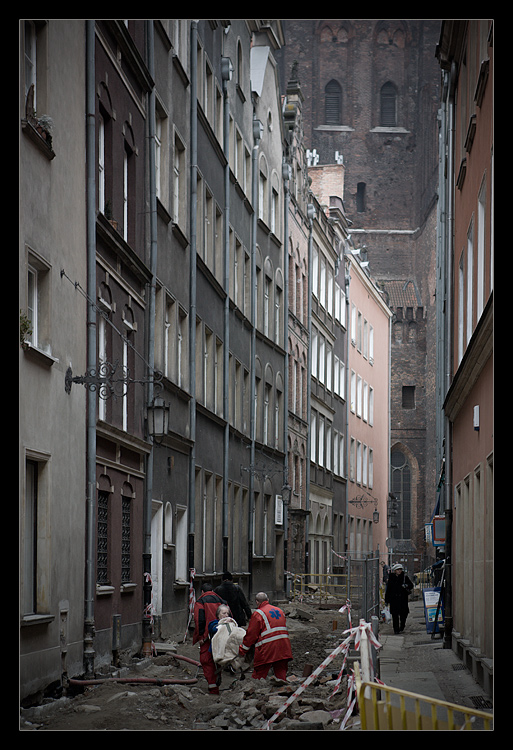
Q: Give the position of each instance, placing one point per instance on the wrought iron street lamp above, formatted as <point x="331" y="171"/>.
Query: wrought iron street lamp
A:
<point x="158" y="418"/>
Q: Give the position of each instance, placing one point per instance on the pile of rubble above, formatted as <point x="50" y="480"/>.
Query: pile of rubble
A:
<point x="253" y="704"/>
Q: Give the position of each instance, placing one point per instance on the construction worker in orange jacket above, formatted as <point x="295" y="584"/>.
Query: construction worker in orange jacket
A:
<point x="267" y="631"/>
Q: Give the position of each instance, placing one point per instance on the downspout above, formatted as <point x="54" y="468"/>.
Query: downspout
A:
<point x="310" y="212"/>
<point x="286" y="487"/>
<point x="387" y="499"/>
<point x="90" y="562"/>
<point x="147" y="584"/>
<point x="252" y="405"/>
<point x="192" y="292"/>
<point x="347" y="283"/>
<point x="449" y="250"/>
<point x="226" y="347"/>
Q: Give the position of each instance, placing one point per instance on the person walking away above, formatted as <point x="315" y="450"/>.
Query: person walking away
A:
<point x="234" y="596"/>
<point x="397" y="591"/>
<point x="267" y="631"/>
<point x="205" y="610"/>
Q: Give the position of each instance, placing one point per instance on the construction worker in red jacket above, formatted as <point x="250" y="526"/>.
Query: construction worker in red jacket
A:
<point x="267" y="631"/>
<point x="205" y="610"/>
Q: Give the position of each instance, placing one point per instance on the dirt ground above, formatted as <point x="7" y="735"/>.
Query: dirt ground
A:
<point x="153" y="705"/>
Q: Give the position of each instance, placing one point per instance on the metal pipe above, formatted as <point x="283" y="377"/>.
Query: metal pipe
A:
<point x="90" y="563"/>
<point x="286" y="487"/>
<point x="310" y="216"/>
<point x="147" y="586"/>
<point x="347" y="385"/>
<point x="449" y="252"/>
<point x="192" y="288"/>
<point x="226" y="344"/>
<point x="134" y="681"/>
<point x="252" y="416"/>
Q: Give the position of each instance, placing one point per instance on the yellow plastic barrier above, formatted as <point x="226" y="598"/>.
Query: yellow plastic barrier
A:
<point x="401" y="710"/>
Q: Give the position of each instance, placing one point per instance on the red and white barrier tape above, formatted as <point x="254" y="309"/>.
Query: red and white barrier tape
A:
<point x="355" y="633"/>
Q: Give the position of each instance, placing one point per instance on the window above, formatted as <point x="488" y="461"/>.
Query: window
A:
<point x="388" y="105"/>
<point x="101" y="164"/>
<point x="408" y="397"/>
<point x="481" y="217"/>
<point x="461" y="281"/>
<point x="359" y="396"/>
<point x="126" y="530"/>
<point x="360" y="197"/>
<point x="470" y="290"/>
<point x="128" y="355"/>
<point x="401" y="488"/>
<point x="102" y="548"/>
<point x="128" y="194"/>
<point x="32" y="299"/>
<point x="105" y="308"/>
<point x="38" y="302"/>
<point x="333" y="103"/>
<point x="179" y="182"/>
<point x="30" y="58"/>
<point x="30" y="540"/>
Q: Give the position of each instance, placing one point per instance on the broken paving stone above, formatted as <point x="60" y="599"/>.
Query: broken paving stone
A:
<point x="315" y="717"/>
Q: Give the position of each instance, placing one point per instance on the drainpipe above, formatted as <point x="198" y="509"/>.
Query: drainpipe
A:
<point x="286" y="170"/>
<point x="449" y="248"/>
<point x="310" y="213"/>
<point x="226" y="75"/>
<point x="90" y="563"/>
<point x="192" y="290"/>
<point x="257" y="135"/>
<point x="147" y="585"/>
<point x="347" y="282"/>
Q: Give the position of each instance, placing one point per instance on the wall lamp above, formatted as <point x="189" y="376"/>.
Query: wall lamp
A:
<point x="158" y="418"/>
<point x="226" y="69"/>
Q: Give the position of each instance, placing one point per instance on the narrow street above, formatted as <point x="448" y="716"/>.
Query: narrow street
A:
<point x="412" y="661"/>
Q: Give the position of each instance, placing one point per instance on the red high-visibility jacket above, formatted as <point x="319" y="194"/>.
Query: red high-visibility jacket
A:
<point x="267" y="631"/>
<point x="205" y="610"/>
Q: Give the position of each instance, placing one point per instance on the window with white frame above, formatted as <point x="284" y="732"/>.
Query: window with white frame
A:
<point x="179" y="182"/>
<point x="470" y="290"/>
<point x="38" y="302"/>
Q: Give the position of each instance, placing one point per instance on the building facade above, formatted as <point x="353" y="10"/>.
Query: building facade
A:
<point x="369" y="375"/>
<point x="51" y="425"/>
<point x="465" y="355"/>
<point x="297" y="238"/>
<point x="204" y="278"/>
<point x="371" y="90"/>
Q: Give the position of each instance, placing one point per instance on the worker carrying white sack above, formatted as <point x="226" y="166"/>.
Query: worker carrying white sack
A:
<point x="225" y="638"/>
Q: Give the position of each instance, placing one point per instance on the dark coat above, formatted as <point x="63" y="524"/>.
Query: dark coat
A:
<point x="396" y="593"/>
<point x="234" y="597"/>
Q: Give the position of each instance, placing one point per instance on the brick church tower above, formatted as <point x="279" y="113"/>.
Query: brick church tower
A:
<point x="371" y="98"/>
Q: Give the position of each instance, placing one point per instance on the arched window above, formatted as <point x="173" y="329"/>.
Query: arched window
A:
<point x="388" y="105"/>
<point x="401" y="488"/>
<point x="333" y="103"/>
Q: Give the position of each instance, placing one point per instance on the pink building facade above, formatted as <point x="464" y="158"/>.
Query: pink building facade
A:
<point x="368" y="413"/>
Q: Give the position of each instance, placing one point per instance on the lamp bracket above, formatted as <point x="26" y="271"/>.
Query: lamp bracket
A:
<point x="109" y="380"/>
<point x="361" y="501"/>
